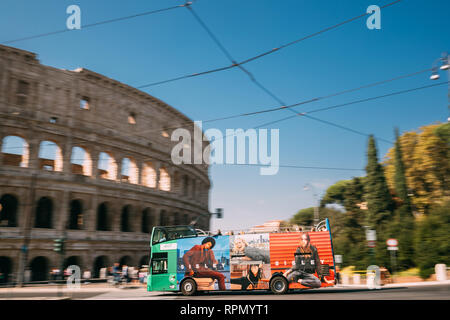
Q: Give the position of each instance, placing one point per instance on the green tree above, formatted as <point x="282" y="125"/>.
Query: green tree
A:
<point x="402" y="226"/>
<point x="379" y="203"/>
<point x="431" y="241"/>
<point x="335" y="193"/>
<point x="379" y="200"/>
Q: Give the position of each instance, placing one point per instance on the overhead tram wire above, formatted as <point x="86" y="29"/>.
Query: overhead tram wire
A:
<point x="238" y="64"/>
<point x="267" y="91"/>
<point x="277" y="108"/>
<point x="94" y="24"/>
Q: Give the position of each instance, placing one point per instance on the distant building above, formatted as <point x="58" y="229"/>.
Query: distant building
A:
<point x="269" y="226"/>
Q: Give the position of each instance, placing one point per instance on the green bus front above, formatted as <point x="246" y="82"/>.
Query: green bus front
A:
<point x="163" y="262"/>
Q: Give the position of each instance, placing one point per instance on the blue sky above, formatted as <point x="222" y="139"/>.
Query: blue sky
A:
<point x="162" y="46"/>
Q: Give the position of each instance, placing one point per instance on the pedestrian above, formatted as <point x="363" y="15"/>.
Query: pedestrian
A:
<point x="125" y="274"/>
<point x="116" y="273"/>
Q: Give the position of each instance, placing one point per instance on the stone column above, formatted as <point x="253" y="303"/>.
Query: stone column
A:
<point x="67" y="153"/>
<point x="63" y="214"/>
<point x="91" y="213"/>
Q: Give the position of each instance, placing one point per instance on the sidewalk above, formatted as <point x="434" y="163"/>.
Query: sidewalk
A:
<point x="400" y="284"/>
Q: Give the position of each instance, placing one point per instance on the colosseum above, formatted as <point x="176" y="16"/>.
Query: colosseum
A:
<point x="86" y="158"/>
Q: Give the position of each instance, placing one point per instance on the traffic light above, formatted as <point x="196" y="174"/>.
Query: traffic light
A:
<point x="219" y="213"/>
<point x="58" y="245"/>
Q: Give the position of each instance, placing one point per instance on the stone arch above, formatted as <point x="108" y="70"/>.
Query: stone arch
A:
<point x="130" y="172"/>
<point x="100" y="262"/>
<point x="126" y="260"/>
<point x="9" y="205"/>
<point x="185" y="187"/>
<point x="6" y="268"/>
<point x="164" y="180"/>
<point x="76" y="220"/>
<point x="50" y="156"/>
<point x="163" y="218"/>
<point x="73" y="260"/>
<point x="126" y="219"/>
<point x="103" y="217"/>
<point x="146" y="220"/>
<point x="107" y="166"/>
<point x="176" y="219"/>
<point x="16" y="151"/>
<point x="81" y="161"/>
<point x="144" y="261"/>
<point x="44" y="213"/>
<point x="149" y="175"/>
<point x="39" y="267"/>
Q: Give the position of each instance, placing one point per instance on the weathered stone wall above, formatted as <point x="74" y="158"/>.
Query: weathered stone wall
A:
<point x="84" y="109"/>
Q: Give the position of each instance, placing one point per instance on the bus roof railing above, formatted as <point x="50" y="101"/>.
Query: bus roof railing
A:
<point x="321" y="226"/>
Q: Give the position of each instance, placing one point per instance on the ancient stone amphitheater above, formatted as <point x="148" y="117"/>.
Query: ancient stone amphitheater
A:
<point x="86" y="158"/>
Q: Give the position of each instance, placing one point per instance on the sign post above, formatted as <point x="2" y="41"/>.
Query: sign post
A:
<point x="392" y="246"/>
<point x="371" y="237"/>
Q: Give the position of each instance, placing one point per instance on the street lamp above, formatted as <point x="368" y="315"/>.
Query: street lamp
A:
<point x="316" y="207"/>
<point x="445" y="65"/>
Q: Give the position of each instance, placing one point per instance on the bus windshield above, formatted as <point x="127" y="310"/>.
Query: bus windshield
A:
<point x="161" y="234"/>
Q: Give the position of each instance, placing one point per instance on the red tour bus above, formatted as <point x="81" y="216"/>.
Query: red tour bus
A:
<point x="190" y="260"/>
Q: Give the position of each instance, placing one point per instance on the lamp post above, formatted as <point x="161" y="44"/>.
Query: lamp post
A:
<point x="316" y="207"/>
<point x="445" y="65"/>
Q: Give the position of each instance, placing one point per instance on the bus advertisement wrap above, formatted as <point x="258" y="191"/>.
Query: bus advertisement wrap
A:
<point x="298" y="260"/>
<point x="207" y="260"/>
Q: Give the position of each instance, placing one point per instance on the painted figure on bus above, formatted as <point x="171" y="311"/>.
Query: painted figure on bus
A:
<point x="251" y="279"/>
<point x="242" y="250"/>
<point x="200" y="262"/>
<point x="307" y="263"/>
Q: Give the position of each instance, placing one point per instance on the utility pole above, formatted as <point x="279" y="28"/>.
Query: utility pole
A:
<point x="445" y="60"/>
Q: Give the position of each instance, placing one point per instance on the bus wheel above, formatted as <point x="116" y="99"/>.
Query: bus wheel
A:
<point x="279" y="285"/>
<point x="188" y="287"/>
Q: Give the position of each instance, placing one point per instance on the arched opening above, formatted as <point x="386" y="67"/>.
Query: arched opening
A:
<point x="76" y="215"/>
<point x="72" y="260"/>
<point x="107" y="166"/>
<point x="129" y="171"/>
<point x="185" y="185"/>
<point x="149" y="175"/>
<point x="125" y="219"/>
<point x="163" y="218"/>
<point x="194" y="189"/>
<point x="146" y="220"/>
<point x="125" y="260"/>
<point x="50" y="156"/>
<point x="81" y="162"/>
<point x="176" y="219"/>
<point x="44" y="213"/>
<point x="15" y="151"/>
<point x="39" y="269"/>
<point x="100" y="263"/>
<point x="5" y="269"/>
<point x="164" y="180"/>
<point x="144" y="261"/>
<point x="102" y="217"/>
<point x="8" y="210"/>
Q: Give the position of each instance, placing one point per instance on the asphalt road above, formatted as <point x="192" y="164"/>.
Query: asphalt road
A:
<point x="438" y="292"/>
<point x="416" y="292"/>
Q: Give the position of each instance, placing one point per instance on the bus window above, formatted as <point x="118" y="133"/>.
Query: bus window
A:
<point x="159" y="263"/>
<point x="159" y="235"/>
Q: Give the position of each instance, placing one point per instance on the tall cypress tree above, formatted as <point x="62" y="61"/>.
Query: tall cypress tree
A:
<point x="379" y="202"/>
<point x="353" y="235"/>
<point x="402" y="227"/>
